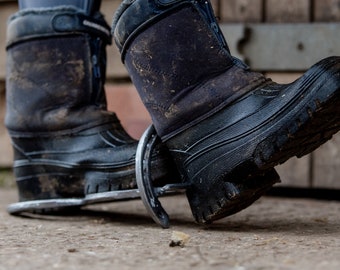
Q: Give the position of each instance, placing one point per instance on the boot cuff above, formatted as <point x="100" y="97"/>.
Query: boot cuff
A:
<point x="39" y="22"/>
<point x="133" y="15"/>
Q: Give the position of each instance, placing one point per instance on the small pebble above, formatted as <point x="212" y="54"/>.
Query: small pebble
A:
<point x="178" y="239"/>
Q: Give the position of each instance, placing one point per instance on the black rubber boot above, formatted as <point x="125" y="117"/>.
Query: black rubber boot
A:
<point x="226" y="126"/>
<point x="66" y="144"/>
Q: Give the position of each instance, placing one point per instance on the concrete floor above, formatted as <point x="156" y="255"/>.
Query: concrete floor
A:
<point x="274" y="233"/>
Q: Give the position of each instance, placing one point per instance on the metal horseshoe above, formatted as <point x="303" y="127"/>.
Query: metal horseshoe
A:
<point x="148" y="193"/>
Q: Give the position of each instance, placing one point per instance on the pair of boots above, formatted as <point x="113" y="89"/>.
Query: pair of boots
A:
<point x="224" y="126"/>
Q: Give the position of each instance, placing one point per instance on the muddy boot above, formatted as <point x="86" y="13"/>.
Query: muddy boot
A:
<point x="66" y="144"/>
<point x="226" y="126"/>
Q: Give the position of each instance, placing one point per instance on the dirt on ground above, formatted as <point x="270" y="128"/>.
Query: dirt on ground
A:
<point x="274" y="233"/>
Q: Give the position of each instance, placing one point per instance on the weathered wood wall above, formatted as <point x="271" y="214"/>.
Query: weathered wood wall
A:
<point x="319" y="169"/>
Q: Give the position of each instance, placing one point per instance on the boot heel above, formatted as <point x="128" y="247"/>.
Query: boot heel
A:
<point x="42" y="182"/>
<point x="221" y="198"/>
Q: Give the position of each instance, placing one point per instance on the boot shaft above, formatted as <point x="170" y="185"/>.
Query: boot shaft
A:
<point x="176" y="56"/>
<point x="56" y="65"/>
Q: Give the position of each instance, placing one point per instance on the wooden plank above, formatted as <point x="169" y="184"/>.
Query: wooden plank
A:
<point x="216" y="4"/>
<point x="279" y="11"/>
<point x="283" y="77"/>
<point x="234" y="11"/>
<point x="326" y="10"/>
<point x="115" y="68"/>
<point x="295" y="172"/>
<point x="288" y="46"/>
<point x="234" y="33"/>
<point x="124" y="100"/>
<point x="6" y="9"/>
<point x="326" y="169"/>
<point x="6" y="152"/>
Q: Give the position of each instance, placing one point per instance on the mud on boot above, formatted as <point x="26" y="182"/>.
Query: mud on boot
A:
<point x="226" y="126"/>
<point x="67" y="146"/>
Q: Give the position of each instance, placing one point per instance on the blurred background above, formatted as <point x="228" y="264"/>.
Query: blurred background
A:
<point x="281" y="38"/>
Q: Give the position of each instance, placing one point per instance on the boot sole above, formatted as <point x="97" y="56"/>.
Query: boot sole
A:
<point x="55" y="187"/>
<point x="302" y="123"/>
